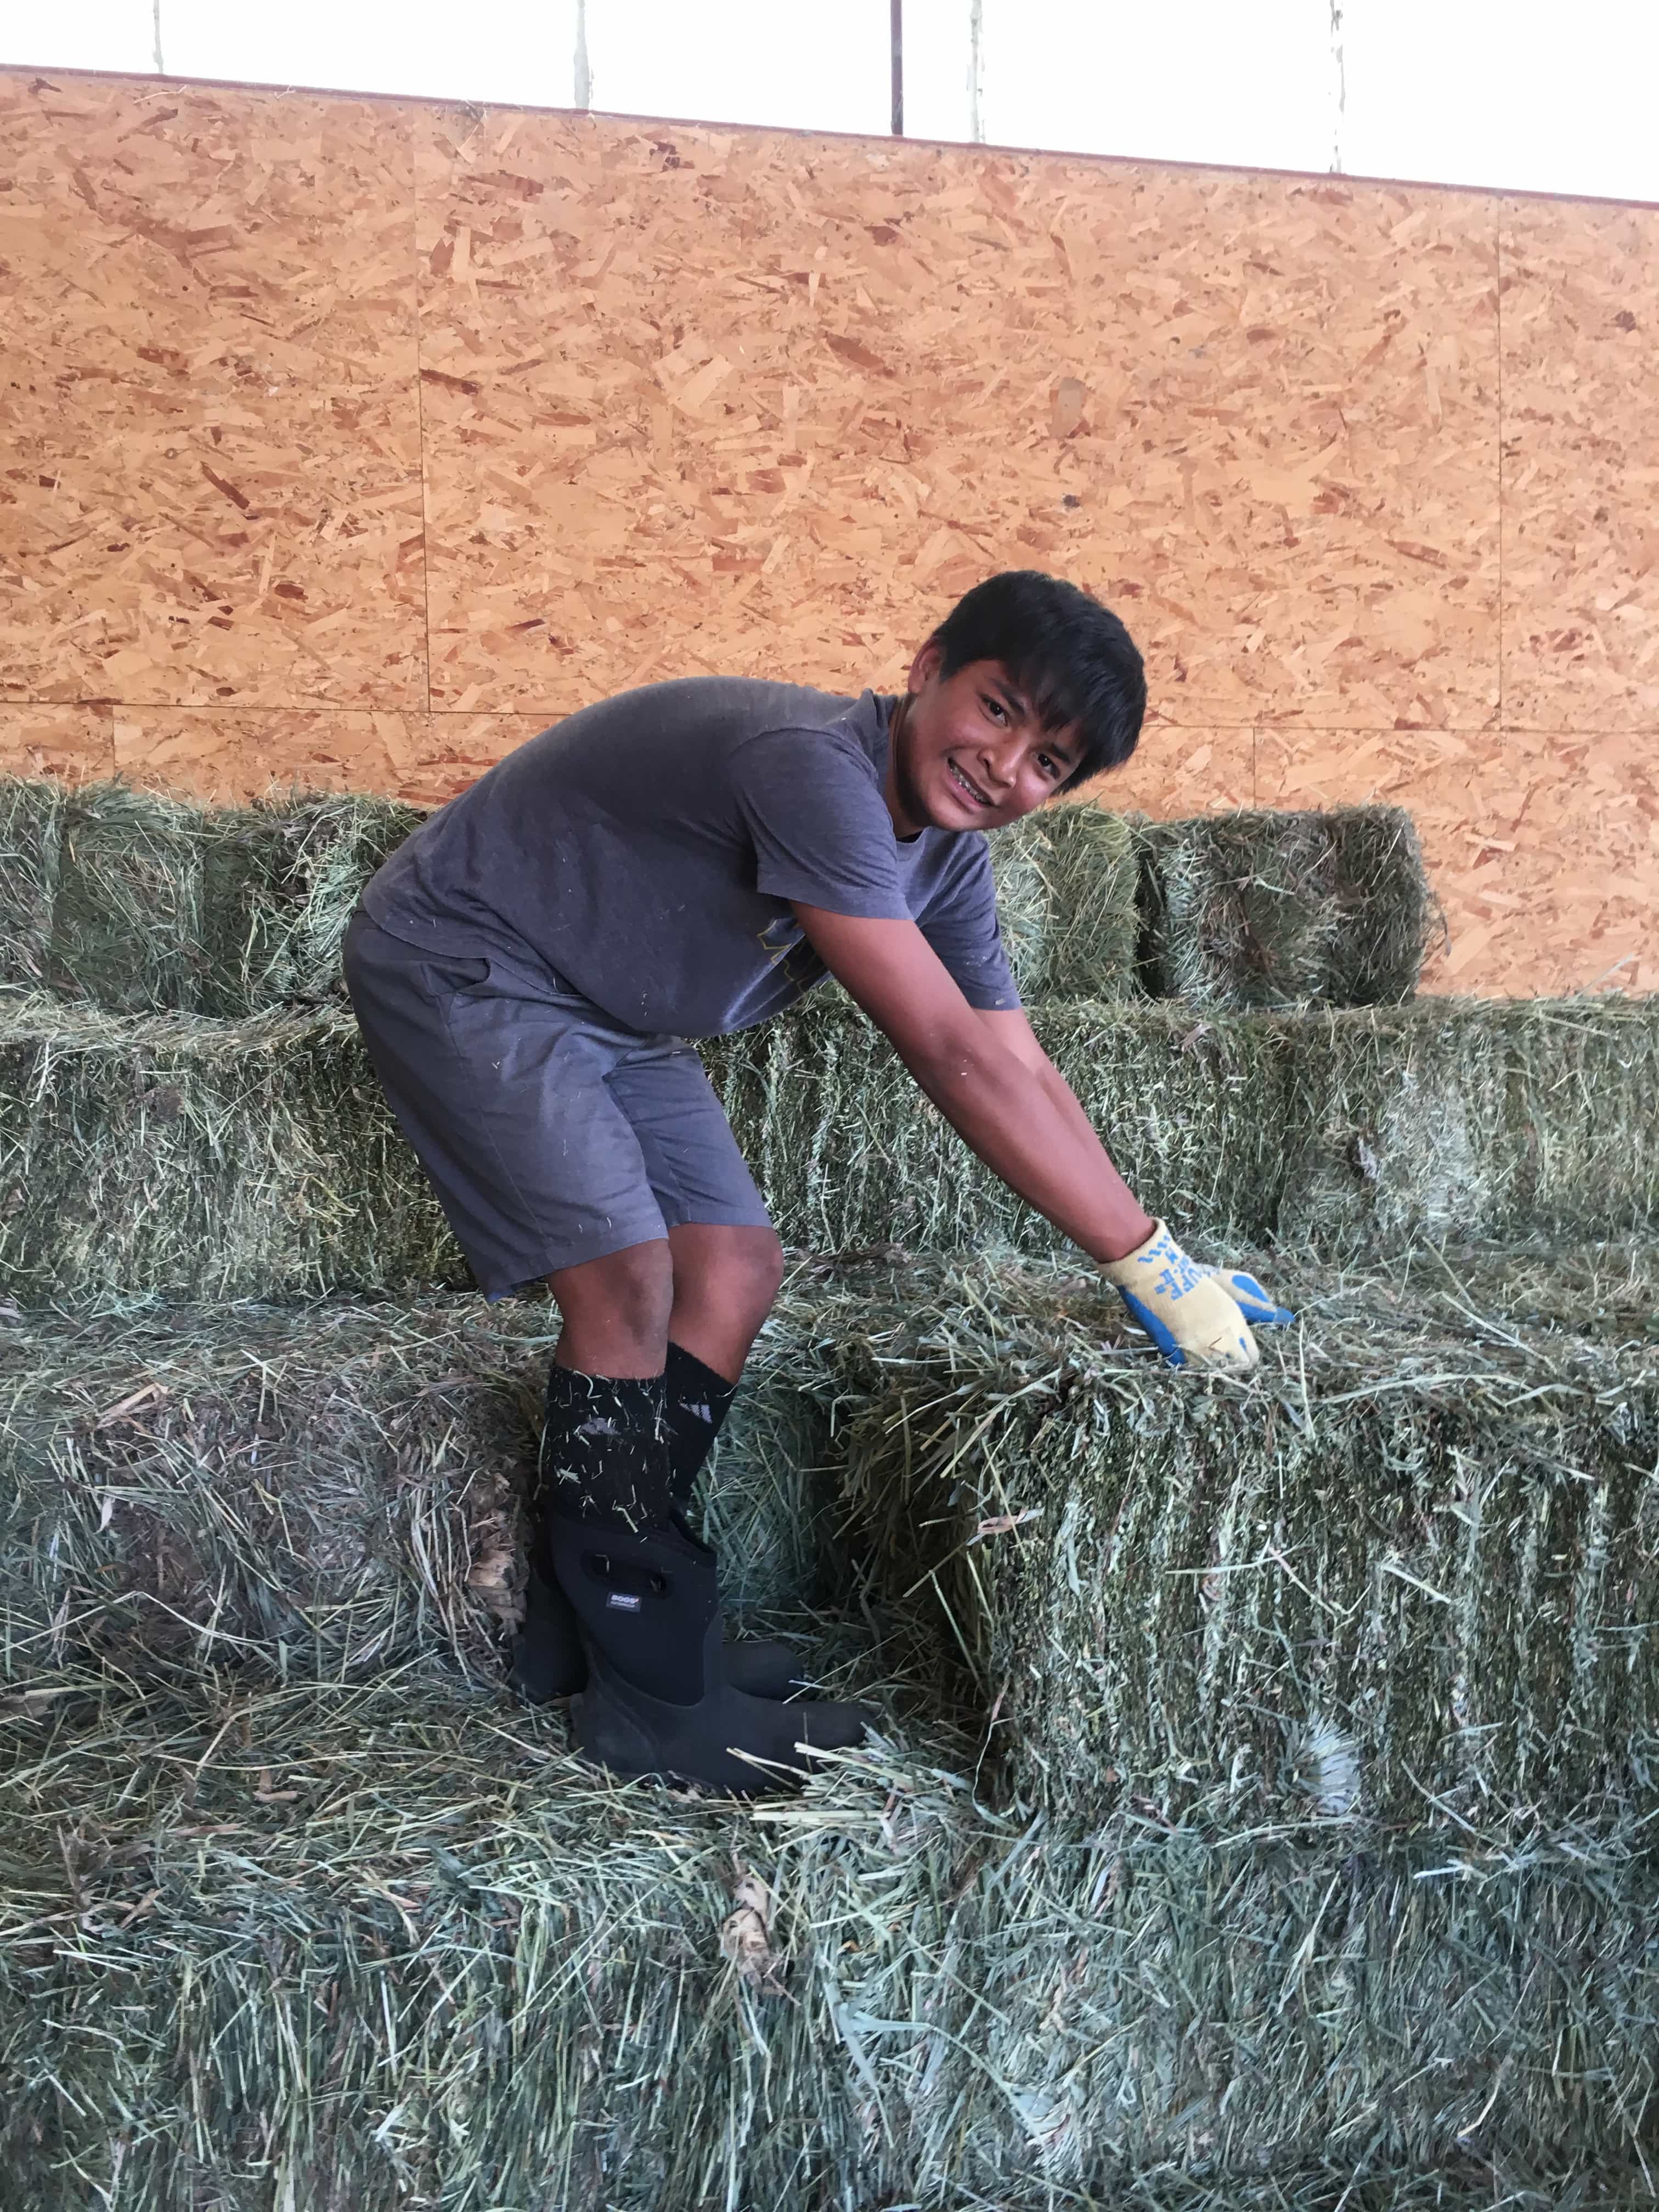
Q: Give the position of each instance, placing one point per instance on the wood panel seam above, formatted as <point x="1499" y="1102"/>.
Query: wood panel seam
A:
<point x="420" y="412"/>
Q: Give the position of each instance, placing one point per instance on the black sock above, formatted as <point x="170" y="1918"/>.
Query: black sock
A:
<point x="604" y="1456"/>
<point x="696" y="1402"/>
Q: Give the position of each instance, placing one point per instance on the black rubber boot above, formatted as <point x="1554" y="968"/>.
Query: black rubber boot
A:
<point x="657" y="1699"/>
<point x="548" y="1660"/>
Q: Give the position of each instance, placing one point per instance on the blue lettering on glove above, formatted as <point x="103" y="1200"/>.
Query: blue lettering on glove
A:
<point x="1145" y="1318"/>
<point x="1257" y="1306"/>
<point x="1179" y="1273"/>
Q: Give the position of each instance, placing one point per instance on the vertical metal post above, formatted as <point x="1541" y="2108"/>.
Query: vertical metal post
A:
<point x="897" y="19"/>
<point x="976" y="72"/>
<point x="583" y="75"/>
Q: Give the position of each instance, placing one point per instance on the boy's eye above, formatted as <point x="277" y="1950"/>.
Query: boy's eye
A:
<point x="995" y="708"/>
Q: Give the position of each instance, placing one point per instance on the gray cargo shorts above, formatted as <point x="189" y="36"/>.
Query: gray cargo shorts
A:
<point x="551" y="1135"/>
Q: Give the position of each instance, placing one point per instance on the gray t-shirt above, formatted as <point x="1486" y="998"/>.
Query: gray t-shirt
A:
<point x="648" y="849"/>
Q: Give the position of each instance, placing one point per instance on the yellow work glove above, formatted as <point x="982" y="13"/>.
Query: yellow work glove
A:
<point x="1190" y="1311"/>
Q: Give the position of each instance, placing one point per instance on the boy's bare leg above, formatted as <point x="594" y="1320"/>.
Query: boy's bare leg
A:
<point x="616" y="1311"/>
<point x="725" y="1282"/>
<point x="707" y="1287"/>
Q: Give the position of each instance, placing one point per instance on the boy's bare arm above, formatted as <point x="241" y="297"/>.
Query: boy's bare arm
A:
<point x="989" y="1078"/>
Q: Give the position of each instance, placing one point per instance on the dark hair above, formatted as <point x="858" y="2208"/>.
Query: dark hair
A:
<point x="1071" y="657"/>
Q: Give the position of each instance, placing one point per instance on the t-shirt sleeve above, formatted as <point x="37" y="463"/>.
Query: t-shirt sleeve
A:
<point x="960" y="922"/>
<point x="821" y="828"/>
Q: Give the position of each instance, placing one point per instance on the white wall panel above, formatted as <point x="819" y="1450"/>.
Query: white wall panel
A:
<point x="937" y="59"/>
<point x="88" y="35"/>
<point x="517" y="50"/>
<point x="1250" y="82"/>
<point x="800" y="66"/>
<point x="1530" y="95"/>
<point x="1537" y="97"/>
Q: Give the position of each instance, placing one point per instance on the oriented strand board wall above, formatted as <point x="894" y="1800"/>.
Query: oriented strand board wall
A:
<point x="350" y="442"/>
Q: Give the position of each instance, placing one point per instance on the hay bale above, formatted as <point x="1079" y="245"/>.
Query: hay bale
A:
<point x="1409" y="1574"/>
<point x="319" y="1491"/>
<point x="1357" y="1132"/>
<point x="316" y="1491"/>
<point x="1502" y="1119"/>
<point x="31" y="827"/>
<point x="141" y="903"/>
<point x="387" y="1944"/>
<point x="769" y="1498"/>
<point x="149" y="904"/>
<point x="190" y="1159"/>
<point x="205" y="1159"/>
<point x="165" y="906"/>
<point x="1067" y="882"/>
<point x="848" y="1152"/>
<point x="126" y="915"/>
<point x="1275" y="908"/>
<point x="281" y="882"/>
<point x="332" y="1488"/>
<point x="155" y="905"/>
<point x="1422" y="1540"/>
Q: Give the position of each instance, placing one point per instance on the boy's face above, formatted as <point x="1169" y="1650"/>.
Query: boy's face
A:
<point x="971" y="753"/>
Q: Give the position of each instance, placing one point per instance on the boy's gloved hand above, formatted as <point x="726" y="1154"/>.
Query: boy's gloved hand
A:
<point x="1190" y="1311"/>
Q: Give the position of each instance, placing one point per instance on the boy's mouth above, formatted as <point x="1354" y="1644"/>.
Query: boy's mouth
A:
<point x="965" y="784"/>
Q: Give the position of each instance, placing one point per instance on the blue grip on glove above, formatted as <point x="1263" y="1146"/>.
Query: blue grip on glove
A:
<point x="1257" y="1306"/>
<point x="1143" y="1318"/>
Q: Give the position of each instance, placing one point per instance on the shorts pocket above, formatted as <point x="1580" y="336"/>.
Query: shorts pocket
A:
<point x="453" y="978"/>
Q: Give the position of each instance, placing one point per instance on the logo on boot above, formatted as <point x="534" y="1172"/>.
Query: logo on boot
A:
<point x="623" y="1600"/>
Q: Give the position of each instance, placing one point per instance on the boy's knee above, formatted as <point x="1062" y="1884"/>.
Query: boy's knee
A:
<point x="749" y="1271"/>
<point x="615" y="1310"/>
<point x="640" y="1289"/>
<point x="733" y="1274"/>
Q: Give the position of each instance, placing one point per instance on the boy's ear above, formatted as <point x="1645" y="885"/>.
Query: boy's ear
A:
<point x="925" y="665"/>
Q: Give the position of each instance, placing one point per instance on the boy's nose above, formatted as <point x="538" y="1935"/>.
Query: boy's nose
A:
<point x="1000" y="767"/>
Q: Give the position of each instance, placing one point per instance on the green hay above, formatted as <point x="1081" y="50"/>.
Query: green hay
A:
<point x="185" y="1158"/>
<point x="281" y="881"/>
<point x="390" y="1946"/>
<point x="140" y="903"/>
<point x="1407" y="1575"/>
<point x="770" y="1497"/>
<point x="31" y="827"/>
<point x="157" y="905"/>
<point x="314" y="1492"/>
<point x="1357" y="1132"/>
<point x="127" y="916"/>
<point x="205" y="1159"/>
<point x="1278" y="909"/>
<point x="339" y="1488"/>
<point x="1420" y="1550"/>
<point x="1504" y="1120"/>
<point x="1067" y="882"/>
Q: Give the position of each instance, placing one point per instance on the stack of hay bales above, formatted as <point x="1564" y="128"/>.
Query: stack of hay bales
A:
<point x="1262" y="1812"/>
<point x="373" y="1945"/>
<point x="139" y="904"/>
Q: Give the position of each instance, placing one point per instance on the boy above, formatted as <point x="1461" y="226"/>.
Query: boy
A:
<point x="684" y="862"/>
